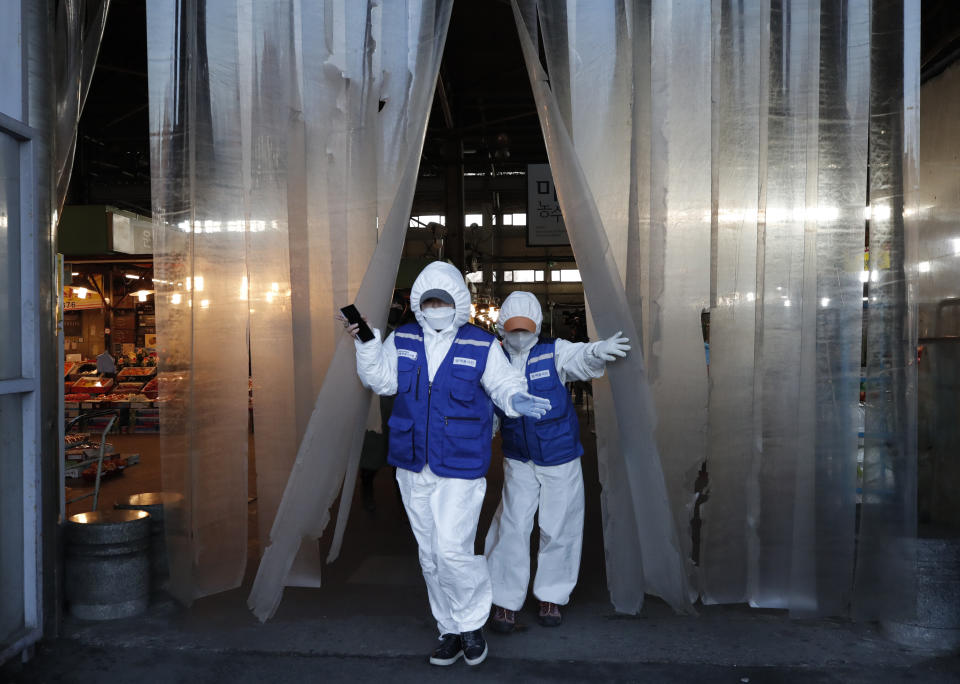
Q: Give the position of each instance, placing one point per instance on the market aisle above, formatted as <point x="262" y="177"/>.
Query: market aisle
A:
<point x="136" y="479"/>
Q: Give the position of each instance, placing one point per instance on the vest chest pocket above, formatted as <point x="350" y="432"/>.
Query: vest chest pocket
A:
<point x="463" y="384"/>
<point x="541" y="379"/>
<point x="406" y="370"/>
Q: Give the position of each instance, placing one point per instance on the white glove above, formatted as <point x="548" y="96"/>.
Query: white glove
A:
<point x="529" y="405"/>
<point x="609" y="349"/>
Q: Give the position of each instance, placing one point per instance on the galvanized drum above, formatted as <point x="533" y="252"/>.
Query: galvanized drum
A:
<point x="937" y="623"/>
<point x="107" y="566"/>
<point x="154" y="503"/>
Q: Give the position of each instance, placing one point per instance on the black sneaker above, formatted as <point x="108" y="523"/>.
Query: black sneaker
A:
<point x="448" y="652"/>
<point x="474" y="647"/>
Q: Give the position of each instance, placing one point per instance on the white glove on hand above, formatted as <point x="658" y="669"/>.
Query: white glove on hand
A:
<point x="529" y="405"/>
<point x="609" y="349"/>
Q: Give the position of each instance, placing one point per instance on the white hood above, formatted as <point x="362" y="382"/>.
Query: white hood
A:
<point x="520" y="303"/>
<point x="442" y="276"/>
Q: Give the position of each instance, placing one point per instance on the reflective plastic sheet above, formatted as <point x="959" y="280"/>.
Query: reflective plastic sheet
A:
<point x="200" y="224"/>
<point x="280" y="129"/>
<point x="661" y="565"/>
<point x="752" y="203"/>
<point x="778" y="397"/>
<point x="824" y="512"/>
<point x="886" y="563"/>
<point x="589" y="52"/>
<point x="679" y="258"/>
<point x="739" y="68"/>
<point x="410" y="63"/>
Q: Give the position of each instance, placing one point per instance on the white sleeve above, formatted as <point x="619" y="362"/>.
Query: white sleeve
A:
<point x="501" y="381"/>
<point x="377" y="364"/>
<point x="576" y="361"/>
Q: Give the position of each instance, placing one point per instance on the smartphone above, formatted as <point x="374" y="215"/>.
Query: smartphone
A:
<point x="353" y="316"/>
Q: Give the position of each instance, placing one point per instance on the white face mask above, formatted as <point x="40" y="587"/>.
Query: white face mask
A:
<point x="519" y="340"/>
<point x="439" y="317"/>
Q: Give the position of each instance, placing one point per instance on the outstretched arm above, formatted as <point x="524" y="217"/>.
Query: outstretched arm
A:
<point x="586" y="360"/>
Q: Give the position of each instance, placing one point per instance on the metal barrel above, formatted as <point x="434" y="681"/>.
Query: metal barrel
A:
<point x="937" y="623"/>
<point x="107" y="566"/>
<point x="154" y="503"/>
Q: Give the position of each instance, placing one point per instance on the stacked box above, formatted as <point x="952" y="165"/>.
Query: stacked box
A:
<point x="146" y="420"/>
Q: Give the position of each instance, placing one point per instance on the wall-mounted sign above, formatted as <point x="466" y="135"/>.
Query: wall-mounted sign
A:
<point x="545" y="224"/>
<point x="131" y="234"/>
<point x="76" y="297"/>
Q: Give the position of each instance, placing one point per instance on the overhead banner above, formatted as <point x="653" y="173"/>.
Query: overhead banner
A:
<point x="545" y="225"/>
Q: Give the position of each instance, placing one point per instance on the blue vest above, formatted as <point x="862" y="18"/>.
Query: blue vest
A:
<point x="447" y="423"/>
<point x="555" y="438"/>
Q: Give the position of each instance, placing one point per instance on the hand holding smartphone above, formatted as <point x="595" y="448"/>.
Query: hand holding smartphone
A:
<point x="365" y="334"/>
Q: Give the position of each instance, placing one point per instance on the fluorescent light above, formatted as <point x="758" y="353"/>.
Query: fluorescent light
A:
<point x="74" y="274"/>
<point x="786" y="302"/>
<point x="924" y="266"/>
<point x="131" y="276"/>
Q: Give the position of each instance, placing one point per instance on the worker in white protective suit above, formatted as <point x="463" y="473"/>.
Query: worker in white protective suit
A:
<point x="541" y="468"/>
<point x="447" y="375"/>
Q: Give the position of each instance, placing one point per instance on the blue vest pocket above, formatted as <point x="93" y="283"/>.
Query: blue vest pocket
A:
<point x="544" y="384"/>
<point x="401" y="449"/>
<point x="554" y="436"/>
<point x="463" y="385"/>
<point x="466" y="446"/>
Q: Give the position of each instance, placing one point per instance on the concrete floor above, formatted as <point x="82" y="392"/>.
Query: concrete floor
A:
<point x="371" y="620"/>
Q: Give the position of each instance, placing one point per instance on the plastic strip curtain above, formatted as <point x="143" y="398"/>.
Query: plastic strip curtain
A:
<point x="641" y="489"/>
<point x="410" y="46"/>
<point x="282" y="132"/>
<point x="599" y="133"/>
<point x="886" y="563"/>
<point x="740" y="64"/>
<point x="201" y="214"/>
<point x="801" y="506"/>
<point x="754" y="205"/>
<point x="78" y="28"/>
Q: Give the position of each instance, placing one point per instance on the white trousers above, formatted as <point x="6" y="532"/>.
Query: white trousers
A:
<point x="558" y="492"/>
<point x="443" y="513"/>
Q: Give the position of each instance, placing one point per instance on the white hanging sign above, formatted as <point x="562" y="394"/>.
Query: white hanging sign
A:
<point x="544" y="220"/>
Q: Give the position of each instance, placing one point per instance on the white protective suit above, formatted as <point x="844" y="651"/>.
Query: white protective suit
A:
<point x="556" y="490"/>
<point x="444" y="512"/>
